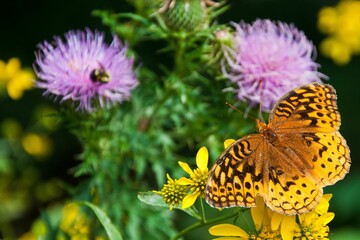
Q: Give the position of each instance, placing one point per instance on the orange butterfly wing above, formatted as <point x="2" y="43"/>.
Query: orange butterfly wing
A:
<point x="289" y="162"/>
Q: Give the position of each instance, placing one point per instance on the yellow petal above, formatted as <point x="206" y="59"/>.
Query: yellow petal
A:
<point x="258" y="213"/>
<point x="288" y="225"/>
<point x="227" y="230"/>
<point x="327" y="20"/>
<point x="37" y="145"/>
<point x="324" y="219"/>
<point x="228" y="142"/>
<point x="327" y="196"/>
<point x="322" y="207"/>
<point x="2" y="67"/>
<point x="189" y="200"/>
<point x="169" y="178"/>
<point x="276" y="219"/>
<point x="202" y="157"/>
<point x="185" y="167"/>
<point x="13" y="66"/>
<point x="3" y="74"/>
<point x="157" y="192"/>
<point x="307" y="218"/>
<point x="15" y="91"/>
<point x="26" y="78"/>
<point x="228" y="238"/>
<point x="184" y="181"/>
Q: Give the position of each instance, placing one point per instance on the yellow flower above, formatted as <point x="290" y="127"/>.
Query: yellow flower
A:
<point x="38" y="231"/>
<point x="37" y="145"/>
<point x="228" y="142"/>
<point x="267" y="225"/>
<point x="198" y="177"/>
<point x="313" y="225"/>
<point x="172" y="192"/>
<point x="342" y="23"/>
<point x="15" y="79"/>
<point x="185" y="191"/>
<point x="271" y="225"/>
<point x="10" y="128"/>
<point x="229" y="231"/>
<point x="74" y="223"/>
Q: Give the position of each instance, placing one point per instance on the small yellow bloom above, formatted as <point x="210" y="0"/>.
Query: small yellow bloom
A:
<point x="264" y="221"/>
<point x="15" y="79"/>
<point x="37" y="145"/>
<point x="10" y="128"/>
<point x="271" y="225"/>
<point x="172" y="192"/>
<point x="28" y="236"/>
<point x="69" y="214"/>
<point x="342" y="23"/>
<point x="38" y="231"/>
<point x="198" y="177"/>
<point x="333" y="48"/>
<point x="74" y="223"/>
<point x="313" y="225"/>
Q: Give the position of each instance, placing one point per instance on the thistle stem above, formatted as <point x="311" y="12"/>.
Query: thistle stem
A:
<point x="180" y="46"/>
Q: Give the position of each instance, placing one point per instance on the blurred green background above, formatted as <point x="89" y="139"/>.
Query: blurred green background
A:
<point x="26" y="23"/>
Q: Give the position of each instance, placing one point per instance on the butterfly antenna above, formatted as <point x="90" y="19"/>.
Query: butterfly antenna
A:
<point x="233" y="107"/>
<point x="260" y="100"/>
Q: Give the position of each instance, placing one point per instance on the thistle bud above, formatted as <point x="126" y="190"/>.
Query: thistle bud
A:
<point x="184" y="15"/>
<point x="223" y="40"/>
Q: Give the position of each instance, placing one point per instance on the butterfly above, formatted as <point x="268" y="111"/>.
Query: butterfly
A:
<point x="289" y="161"/>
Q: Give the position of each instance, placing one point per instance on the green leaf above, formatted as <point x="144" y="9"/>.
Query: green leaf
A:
<point x="345" y="233"/>
<point x="133" y="16"/>
<point x="110" y="229"/>
<point x="155" y="199"/>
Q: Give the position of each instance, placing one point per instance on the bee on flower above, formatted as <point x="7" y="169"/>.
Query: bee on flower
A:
<point x="85" y="70"/>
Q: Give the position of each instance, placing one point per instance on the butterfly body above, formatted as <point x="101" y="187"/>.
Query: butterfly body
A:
<point x="289" y="161"/>
<point x="267" y="132"/>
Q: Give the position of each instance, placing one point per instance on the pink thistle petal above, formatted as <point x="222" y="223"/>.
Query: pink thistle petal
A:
<point x="274" y="53"/>
<point x="66" y="67"/>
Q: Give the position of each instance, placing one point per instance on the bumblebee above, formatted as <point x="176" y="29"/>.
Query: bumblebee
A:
<point x="100" y="75"/>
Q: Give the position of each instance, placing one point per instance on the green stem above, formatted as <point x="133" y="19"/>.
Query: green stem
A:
<point x="204" y="223"/>
<point x="179" y="56"/>
<point x="160" y="103"/>
<point x="202" y="211"/>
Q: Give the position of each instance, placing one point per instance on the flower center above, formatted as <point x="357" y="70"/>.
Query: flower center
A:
<point x="173" y="193"/>
<point x="100" y="75"/>
<point x="321" y="232"/>
<point x="199" y="180"/>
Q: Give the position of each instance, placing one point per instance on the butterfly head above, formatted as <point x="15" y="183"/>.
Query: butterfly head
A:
<point x="266" y="131"/>
<point x="261" y="126"/>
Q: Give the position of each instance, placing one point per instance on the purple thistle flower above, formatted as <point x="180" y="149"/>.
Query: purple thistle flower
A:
<point x="84" y="68"/>
<point x="276" y="54"/>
